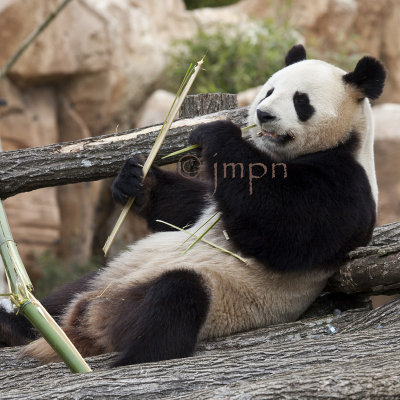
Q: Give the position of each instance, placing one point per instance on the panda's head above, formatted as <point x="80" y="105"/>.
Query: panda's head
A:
<point x="311" y="105"/>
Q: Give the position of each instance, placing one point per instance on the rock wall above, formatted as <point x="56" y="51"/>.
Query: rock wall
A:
<point x="332" y="26"/>
<point x="88" y="73"/>
<point x="94" y="67"/>
<point x="387" y="160"/>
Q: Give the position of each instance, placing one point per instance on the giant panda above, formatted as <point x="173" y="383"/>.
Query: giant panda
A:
<point x="293" y="201"/>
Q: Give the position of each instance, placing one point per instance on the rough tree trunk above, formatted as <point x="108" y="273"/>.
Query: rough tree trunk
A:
<point x="374" y="269"/>
<point x="299" y="360"/>
<point x="94" y="158"/>
<point x="207" y="103"/>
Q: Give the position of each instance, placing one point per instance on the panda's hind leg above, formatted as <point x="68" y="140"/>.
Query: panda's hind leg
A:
<point x="161" y="319"/>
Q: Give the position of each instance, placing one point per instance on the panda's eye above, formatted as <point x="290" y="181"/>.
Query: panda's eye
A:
<point x="270" y="91"/>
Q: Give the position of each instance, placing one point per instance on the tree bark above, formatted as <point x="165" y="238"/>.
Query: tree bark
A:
<point x="95" y="158"/>
<point x="303" y="359"/>
<point x="374" y="269"/>
<point x="207" y="103"/>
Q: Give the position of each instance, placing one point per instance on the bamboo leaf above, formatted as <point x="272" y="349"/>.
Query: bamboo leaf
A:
<point x="175" y="153"/>
<point x="202" y="226"/>
<point x="203" y="234"/>
<point x="204" y="240"/>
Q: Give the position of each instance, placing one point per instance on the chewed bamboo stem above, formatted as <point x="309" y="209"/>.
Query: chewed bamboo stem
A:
<point x="180" y="96"/>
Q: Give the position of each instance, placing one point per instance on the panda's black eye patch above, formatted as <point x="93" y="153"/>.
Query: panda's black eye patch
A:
<point x="302" y="106"/>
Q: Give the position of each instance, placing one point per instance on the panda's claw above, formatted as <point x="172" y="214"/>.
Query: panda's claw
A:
<point x="129" y="182"/>
<point x="214" y="132"/>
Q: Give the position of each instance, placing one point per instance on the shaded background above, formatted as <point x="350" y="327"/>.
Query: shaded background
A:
<point x="107" y="65"/>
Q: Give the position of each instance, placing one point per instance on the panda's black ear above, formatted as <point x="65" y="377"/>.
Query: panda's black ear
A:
<point x="295" y="54"/>
<point x="368" y="76"/>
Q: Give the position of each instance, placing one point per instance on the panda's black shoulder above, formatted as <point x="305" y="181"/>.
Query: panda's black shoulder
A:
<point x="311" y="218"/>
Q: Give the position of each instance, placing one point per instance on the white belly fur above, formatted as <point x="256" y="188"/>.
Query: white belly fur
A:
<point x="243" y="296"/>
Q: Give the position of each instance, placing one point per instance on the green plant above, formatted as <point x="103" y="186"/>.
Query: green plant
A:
<point x="237" y="57"/>
<point x="56" y="272"/>
<point x="346" y="56"/>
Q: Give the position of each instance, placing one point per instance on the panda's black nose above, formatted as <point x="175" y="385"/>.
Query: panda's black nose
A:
<point x="264" y="116"/>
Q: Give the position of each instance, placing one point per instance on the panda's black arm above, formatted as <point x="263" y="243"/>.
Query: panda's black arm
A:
<point x="302" y="214"/>
<point x="164" y="195"/>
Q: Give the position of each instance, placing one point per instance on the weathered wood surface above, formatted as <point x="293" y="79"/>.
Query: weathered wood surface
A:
<point x="374" y="269"/>
<point x="207" y="103"/>
<point x="94" y="158"/>
<point x="300" y="360"/>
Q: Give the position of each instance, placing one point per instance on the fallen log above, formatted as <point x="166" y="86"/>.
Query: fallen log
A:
<point x="96" y="157"/>
<point x="304" y="359"/>
<point x="374" y="269"/>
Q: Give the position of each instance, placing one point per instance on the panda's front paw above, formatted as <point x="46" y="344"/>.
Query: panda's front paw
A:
<point x="214" y="132"/>
<point x="129" y="182"/>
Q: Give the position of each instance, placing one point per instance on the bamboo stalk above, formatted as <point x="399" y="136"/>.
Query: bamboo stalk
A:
<point x="181" y="94"/>
<point x="18" y="279"/>
<point x="54" y="335"/>
<point x="21" y="287"/>
<point x="26" y="43"/>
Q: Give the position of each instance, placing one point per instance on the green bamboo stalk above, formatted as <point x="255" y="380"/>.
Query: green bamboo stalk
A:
<point x="55" y="337"/>
<point x="18" y="279"/>
<point x="21" y="296"/>
<point x="26" y="43"/>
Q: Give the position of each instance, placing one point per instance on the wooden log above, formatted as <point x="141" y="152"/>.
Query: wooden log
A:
<point x="94" y="158"/>
<point x="207" y="103"/>
<point x="298" y="360"/>
<point x="349" y="380"/>
<point x="374" y="269"/>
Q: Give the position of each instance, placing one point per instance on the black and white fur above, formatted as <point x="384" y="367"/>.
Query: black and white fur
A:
<point x="153" y="302"/>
